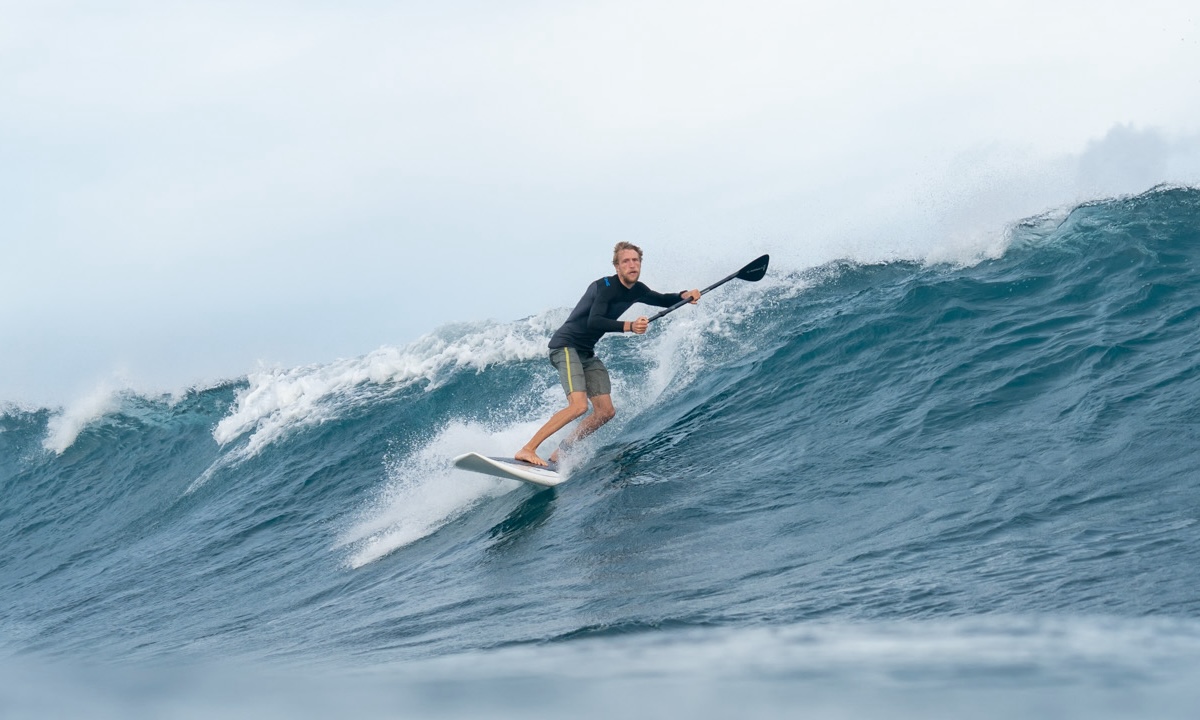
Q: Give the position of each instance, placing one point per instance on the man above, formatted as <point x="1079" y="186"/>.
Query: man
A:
<point x="572" y="347"/>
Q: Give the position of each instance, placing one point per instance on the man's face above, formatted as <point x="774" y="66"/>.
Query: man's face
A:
<point x="629" y="267"/>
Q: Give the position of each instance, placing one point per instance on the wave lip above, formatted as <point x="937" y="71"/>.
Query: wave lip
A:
<point x="64" y="428"/>
<point x="277" y="401"/>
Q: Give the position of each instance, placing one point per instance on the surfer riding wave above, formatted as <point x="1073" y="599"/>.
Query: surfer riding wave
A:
<point x="573" y="348"/>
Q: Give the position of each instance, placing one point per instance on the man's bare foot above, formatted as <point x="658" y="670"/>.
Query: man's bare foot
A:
<point x="529" y="456"/>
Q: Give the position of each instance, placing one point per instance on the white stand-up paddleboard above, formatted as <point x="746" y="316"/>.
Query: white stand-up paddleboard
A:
<point x="510" y="468"/>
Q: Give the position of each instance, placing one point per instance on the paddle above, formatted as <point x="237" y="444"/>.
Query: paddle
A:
<point x="751" y="273"/>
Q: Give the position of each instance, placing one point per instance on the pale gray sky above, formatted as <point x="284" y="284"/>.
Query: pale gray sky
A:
<point x="189" y="188"/>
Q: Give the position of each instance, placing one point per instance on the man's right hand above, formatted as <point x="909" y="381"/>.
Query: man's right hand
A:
<point x="639" y="326"/>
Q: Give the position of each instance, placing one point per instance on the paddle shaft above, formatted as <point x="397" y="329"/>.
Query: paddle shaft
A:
<point x="753" y="273"/>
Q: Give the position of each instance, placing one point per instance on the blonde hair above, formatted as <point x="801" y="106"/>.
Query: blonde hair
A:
<point x="625" y="246"/>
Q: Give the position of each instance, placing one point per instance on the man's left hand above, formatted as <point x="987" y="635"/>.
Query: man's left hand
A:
<point x="692" y="296"/>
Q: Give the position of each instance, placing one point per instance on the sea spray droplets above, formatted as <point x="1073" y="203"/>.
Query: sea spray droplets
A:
<point x="64" y="428"/>
<point x="424" y="492"/>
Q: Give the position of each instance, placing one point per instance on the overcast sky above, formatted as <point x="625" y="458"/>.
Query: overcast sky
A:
<point x="187" y="189"/>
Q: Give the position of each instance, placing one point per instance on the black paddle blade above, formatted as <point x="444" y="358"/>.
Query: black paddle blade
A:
<point x="755" y="270"/>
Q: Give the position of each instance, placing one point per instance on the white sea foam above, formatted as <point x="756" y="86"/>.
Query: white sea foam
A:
<point x="424" y="491"/>
<point x="280" y="400"/>
<point x="65" y="426"/>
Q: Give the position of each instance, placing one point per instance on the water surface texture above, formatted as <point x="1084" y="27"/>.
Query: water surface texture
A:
<point x="903" y="489"/>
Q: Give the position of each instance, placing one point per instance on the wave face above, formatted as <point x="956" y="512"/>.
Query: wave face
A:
<point x="893" y="451"/>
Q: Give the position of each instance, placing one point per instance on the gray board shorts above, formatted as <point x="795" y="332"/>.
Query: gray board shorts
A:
<point x="577" y="373"/>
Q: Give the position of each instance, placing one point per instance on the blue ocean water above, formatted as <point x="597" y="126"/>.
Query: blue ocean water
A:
<point x="899" y="489"/>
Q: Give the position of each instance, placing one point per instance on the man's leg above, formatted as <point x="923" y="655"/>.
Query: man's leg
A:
<point x="602" y="412"/>
<point x="577" y="404"/>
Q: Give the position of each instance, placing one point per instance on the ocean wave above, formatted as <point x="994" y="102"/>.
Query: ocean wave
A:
<point x="908" y="442"/>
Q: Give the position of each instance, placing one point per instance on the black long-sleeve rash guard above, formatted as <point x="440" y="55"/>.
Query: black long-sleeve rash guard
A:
<point x="598" y="310"/>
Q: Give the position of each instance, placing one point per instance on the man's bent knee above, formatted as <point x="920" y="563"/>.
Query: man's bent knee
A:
<point x="603" y="407"/>
<point x="577" y="403"/>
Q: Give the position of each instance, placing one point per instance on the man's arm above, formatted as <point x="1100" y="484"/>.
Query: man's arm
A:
<point x="668" y="299"/>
